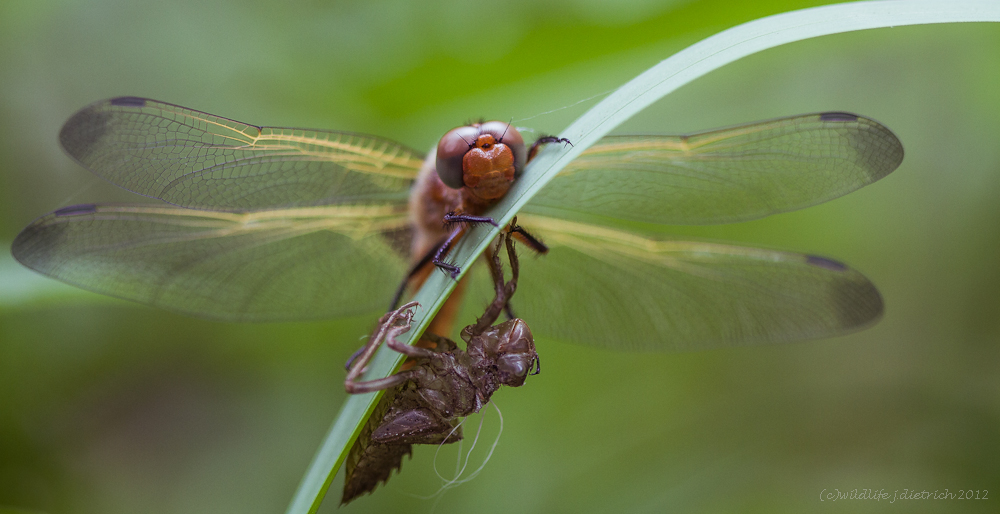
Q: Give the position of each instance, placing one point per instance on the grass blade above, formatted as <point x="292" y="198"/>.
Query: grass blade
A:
<point x="667" y="76"/>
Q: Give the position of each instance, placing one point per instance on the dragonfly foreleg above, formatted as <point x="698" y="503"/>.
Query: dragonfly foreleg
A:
<point x="385" y="323"/>
<point x="443" y="250"/>
<point x="508" y="309"/>
<point x="544" y="140"/>
<point x="518" y="232"/>
<point x="390" y="326"/>
<point x="369" y="386"/>
<point x="504" y="290"/>
<point x="454" y="217"/>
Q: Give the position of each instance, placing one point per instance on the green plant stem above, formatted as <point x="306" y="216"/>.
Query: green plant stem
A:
<point x="656" y="82"/>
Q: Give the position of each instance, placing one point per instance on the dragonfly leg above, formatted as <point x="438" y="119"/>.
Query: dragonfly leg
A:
<point x="529" y="240"/>
<point x="515" y="265"/>
<point x="350" y="360"/>
<point x="544" y="140"/>
<point x="500" y="299"/>
<point x="369" y="386"/>
<point x="391" y="325"/>
<point x="504" y="291"/>
<point x="437" y="254"/>
<point x="442" y="250"/>
<point x="374" y="340"/>
<point x="538" y="366"/>
<point x="507" y="308"/>
<point x="413" y="271"/>
<point x="453" y="217"/>
<point x="518" y="232"/>
<point x="413" y="352"/>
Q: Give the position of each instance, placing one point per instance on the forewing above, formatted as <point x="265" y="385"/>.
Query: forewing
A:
<point x="290" y="264"/>
<point x="197" y="160"/>
<point x="722" y="176"/>
<point x="615" y="289"/>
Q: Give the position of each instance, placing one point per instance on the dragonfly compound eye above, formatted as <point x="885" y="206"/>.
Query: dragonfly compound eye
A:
<point x="450" y="151"/>
<point x="513" y="368"/>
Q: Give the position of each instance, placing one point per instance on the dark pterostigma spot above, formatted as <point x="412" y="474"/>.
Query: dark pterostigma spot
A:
<point x="82" y="131"/>
<point x="823" y="262"/>
<point x="838" y="116"/>
<point x="858" y="303"/>
<point x="129" y="101"/>
<point x="76" y="210"/>
<point x="39" y="245"/>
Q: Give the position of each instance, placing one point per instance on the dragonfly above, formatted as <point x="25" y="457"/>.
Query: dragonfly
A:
<point x="262" y="224"/>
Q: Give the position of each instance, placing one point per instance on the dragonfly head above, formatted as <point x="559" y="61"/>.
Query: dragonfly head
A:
<point x="484" y="158"/>
<point x="515" y="352"/>
<point x="506" y="351"/>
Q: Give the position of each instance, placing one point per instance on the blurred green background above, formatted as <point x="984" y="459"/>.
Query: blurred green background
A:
<point x="112" y="407"/>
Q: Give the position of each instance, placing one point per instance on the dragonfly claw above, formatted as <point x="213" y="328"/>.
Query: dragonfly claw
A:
<point x="450" y="269"/>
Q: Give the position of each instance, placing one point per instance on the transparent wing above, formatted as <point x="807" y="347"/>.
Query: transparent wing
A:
<point x="197" y="160"/>
<point x="614" y="289"/>
<point x="290" y="264"/>
<point x="722" y="176"/>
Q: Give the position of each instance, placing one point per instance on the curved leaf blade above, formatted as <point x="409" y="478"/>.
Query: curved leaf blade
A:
<point x="670" y="74"/>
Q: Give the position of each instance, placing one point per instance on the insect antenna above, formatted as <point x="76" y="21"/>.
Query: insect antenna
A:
<point x="506" y="129"/>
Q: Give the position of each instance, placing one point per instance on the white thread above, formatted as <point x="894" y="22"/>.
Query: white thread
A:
<point x="561" y="108"/>
<point x="460" y="464"/>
